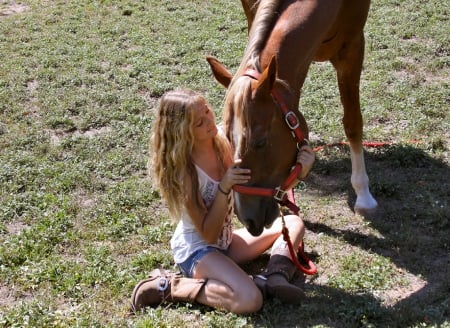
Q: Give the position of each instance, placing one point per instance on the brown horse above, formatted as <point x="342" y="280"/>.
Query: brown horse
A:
<point x="285" y="36"/>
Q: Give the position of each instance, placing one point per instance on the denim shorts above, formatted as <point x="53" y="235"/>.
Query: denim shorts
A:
<point x="188" y="266"/>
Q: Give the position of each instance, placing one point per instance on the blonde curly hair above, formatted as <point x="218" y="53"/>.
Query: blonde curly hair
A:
<point x="171" y="144"/>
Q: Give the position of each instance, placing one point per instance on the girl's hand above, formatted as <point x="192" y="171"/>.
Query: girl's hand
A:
<point x="234" y="175"/>
<point x="306" y="157"/>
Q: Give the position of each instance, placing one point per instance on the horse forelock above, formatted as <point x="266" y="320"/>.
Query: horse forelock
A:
<point x="236" y="112"/>
<point x="239" y="92"/>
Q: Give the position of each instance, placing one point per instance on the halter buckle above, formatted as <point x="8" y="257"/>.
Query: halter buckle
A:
<point x="292" y="120"/>
<point x="279" y="194"/>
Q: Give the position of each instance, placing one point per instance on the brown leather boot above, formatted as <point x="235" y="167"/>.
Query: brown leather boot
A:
<point x="275" y="280"/>
<point x="164" y="286"/>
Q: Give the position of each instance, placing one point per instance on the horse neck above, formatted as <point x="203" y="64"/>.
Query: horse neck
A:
<point x="295" y="37"/>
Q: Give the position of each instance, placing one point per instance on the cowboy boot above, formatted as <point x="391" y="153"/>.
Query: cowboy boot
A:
<point x="162" y="286"/>
<point x="275" y="280"/>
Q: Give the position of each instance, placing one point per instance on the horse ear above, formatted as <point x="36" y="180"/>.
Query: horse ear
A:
<point x="268" y="77"/>
<point x="221" y="73"/>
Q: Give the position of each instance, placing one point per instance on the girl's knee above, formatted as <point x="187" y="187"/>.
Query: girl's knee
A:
<point x="294" y="221"/>
<point x="248" y="300"/>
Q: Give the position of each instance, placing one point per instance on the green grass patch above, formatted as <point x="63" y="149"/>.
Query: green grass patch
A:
<point x="362" y="272"/>
<point x="81" y="224"/>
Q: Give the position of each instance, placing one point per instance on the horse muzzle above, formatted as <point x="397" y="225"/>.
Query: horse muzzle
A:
<point x="255" y="213"/>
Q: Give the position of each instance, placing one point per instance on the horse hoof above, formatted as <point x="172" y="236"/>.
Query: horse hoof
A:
<point x="369" y="213"/>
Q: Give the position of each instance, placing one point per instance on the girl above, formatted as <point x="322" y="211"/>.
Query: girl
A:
<point x="193" y="168"/>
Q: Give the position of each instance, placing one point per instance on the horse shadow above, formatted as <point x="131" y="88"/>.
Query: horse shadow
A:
<point x="412" y="189"/>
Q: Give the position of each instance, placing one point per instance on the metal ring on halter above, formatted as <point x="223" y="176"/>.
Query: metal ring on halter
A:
<point x="304" y="142"/>
<point x="163" y="283"/>
<point x="260" y="276"/>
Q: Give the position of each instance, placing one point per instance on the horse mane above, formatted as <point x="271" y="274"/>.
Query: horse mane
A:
<point x="239" y="91"/>
<point x="265" y="18"/>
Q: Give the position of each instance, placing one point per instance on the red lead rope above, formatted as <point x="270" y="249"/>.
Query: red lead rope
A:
<point x="311" y="268"/>
<point x="369" y="144"/>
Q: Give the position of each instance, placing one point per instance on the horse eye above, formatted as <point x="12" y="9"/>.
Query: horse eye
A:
<point x="259" y="144"/>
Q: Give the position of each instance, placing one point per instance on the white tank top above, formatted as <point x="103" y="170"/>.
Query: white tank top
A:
<point x="186" y="238"/>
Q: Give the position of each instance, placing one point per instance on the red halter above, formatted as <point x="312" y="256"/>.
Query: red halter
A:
<point x="280" y="192"/>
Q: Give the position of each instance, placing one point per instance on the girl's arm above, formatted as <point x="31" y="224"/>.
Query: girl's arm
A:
<point x="210" y="223"/>
<point x="306" y="157"/>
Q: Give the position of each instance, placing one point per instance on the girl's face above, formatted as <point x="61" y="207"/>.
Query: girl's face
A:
<point x="204" y="122"/>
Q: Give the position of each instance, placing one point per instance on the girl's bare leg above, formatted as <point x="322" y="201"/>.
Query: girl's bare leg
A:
<point x="275" y="279"/>
<point x="246" y="247"/>
<point x="228" y="286"/>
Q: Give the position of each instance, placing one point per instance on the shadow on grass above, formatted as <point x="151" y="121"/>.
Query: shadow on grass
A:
<point x="412" y="189"/>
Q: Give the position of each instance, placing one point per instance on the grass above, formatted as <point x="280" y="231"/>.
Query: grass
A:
<point x="80" y="223"/>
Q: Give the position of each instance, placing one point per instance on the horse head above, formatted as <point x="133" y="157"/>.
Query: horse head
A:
<point x="260" y="136"/>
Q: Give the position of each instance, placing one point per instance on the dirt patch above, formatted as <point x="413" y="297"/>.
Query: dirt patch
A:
<point x="16" y="227"/>
<point x="56" y="136"/>
<point x="398" y="293"/>
<point x="8" y="8"/>
<point x="5" y="296"/>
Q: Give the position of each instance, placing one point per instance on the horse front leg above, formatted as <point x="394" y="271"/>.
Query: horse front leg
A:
<point x="348" y="65"/>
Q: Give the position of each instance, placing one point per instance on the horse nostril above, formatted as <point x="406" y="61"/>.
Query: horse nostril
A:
<point x="249" y="225"/>
<point x="253" y="228"/>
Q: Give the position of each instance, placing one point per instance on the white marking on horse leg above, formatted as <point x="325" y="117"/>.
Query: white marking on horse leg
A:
<point x="360" y="183"/>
